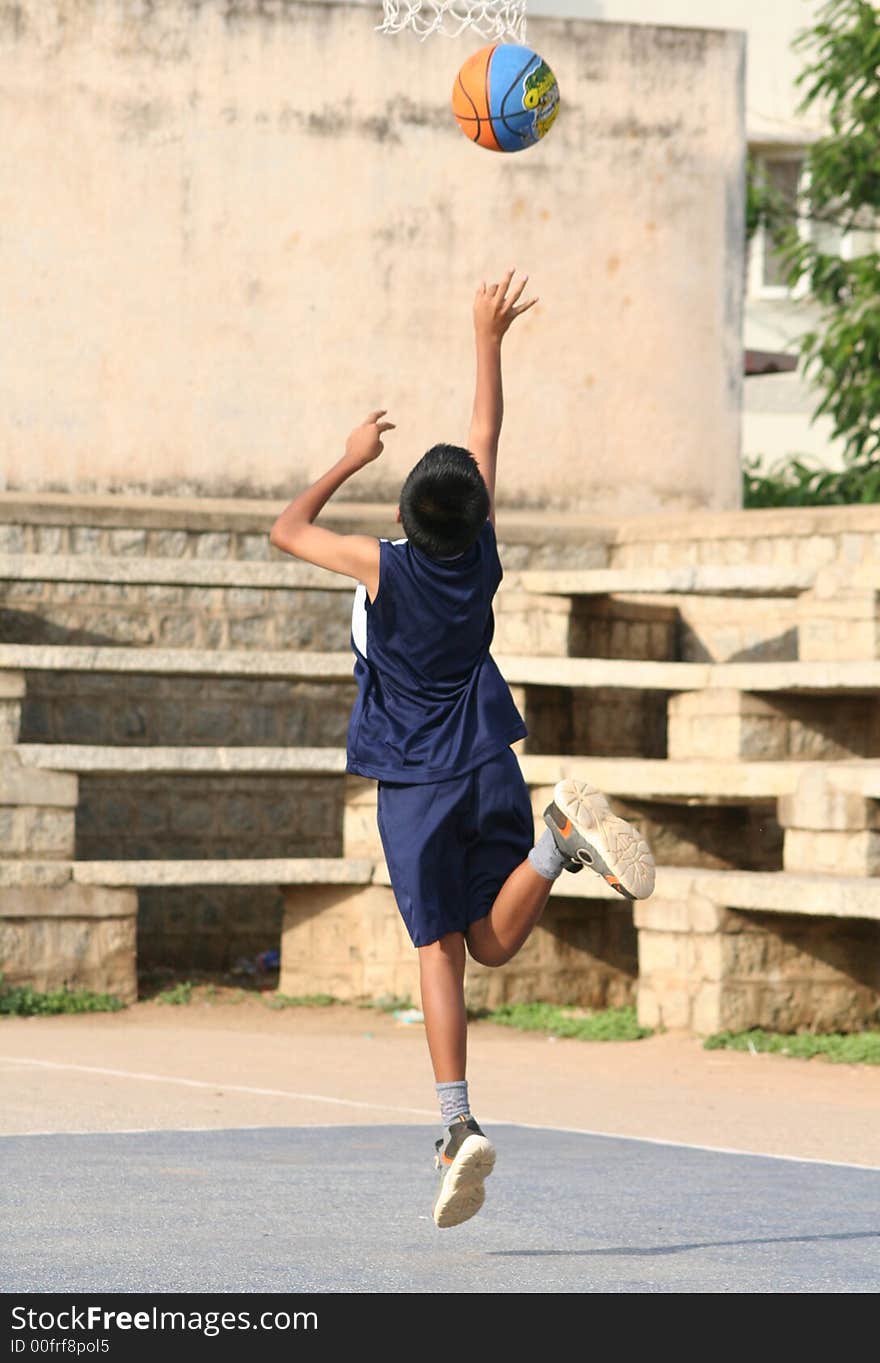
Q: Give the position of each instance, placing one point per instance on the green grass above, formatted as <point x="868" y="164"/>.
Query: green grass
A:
<point x="388" y="1003"/>
<point x="24" y="1002"/>
<point x="609" y="1024"/>
<point x="178" y="994"/>
<point x="300" y="1001"/>
<point x="858" y="1048"/>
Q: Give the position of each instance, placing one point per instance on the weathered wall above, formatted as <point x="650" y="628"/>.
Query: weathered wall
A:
<point x="230" y="229"/>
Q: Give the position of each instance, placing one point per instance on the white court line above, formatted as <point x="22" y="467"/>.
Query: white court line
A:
<point x="377" y="1107"/>
<point x="227" y="1088"/>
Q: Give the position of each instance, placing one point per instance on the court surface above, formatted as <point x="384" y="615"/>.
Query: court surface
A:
<point x="227" y="1148"/>
<point x="347" y="1208"/>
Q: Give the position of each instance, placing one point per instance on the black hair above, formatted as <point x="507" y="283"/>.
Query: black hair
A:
<point x="444" y="502"/>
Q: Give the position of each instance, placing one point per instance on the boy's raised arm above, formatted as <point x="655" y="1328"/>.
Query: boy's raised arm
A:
<point x="493" y="313"/>
<point x="355" y="556"/>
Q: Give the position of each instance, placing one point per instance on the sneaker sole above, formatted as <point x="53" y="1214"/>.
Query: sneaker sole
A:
<point x="462" y="1193"/>
<point x="581" y="818"/>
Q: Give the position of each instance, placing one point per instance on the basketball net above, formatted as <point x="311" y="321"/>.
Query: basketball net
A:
<point x="496" y="19"/>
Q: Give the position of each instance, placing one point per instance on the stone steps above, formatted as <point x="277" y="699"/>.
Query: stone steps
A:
<point x="708" y="950"/>
<point x="724" y="783"/>
<point x="769" y="892"/>
<point x="794" y="678"/>
<point x="728" y="662"/>
<point x="194" y="871"/>
<point x="745" y="580"/>
<point x="600" y="707"/>
<point x="187" y="572"/>
<point x="107" y="759"/>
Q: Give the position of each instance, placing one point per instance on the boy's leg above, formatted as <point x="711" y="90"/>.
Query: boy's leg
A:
<point x="441" y="972"/>
<point x="465" y="1157"/>
<point x="581" y="831"/>
<point x="494" y="939"/>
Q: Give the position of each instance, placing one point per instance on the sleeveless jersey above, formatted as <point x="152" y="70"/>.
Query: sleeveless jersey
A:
<point x="431" y="702"/>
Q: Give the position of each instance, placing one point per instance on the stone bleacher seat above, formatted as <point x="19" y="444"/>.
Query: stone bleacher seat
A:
<point x="706" y="691"/>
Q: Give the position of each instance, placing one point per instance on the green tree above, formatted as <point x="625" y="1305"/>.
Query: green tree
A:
<point x="841" y="187"/>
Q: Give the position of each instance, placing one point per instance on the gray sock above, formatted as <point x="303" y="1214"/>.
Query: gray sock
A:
<point x="453" y="1100"/>
<point x="546" y="857"/>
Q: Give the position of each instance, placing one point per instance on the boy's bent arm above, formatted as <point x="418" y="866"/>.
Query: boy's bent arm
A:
<point x="493" y="314"/>
<point x="354" y="556"/>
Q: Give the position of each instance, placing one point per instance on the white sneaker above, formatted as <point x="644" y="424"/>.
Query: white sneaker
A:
<point x="589" y="834"/>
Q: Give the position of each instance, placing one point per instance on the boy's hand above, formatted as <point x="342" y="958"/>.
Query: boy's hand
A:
<point x="494" y="310"/>
<point x="365" y="442"/>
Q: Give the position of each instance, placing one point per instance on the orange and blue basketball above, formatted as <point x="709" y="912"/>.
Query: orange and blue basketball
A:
<point x="505" y="97"/>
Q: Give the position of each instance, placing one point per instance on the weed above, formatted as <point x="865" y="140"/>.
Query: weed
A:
<point x="300" y="1000"/>
<point x="608" y="1024"/>
<point x="24" y="1001"/>
<point x="178" y="994"/>
<point x="857" y="1048"/>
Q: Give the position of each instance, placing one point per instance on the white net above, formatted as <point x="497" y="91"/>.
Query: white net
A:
<point x="498" y="19"/>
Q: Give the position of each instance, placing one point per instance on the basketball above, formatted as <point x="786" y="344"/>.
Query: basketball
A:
<point x="505" y="97"/>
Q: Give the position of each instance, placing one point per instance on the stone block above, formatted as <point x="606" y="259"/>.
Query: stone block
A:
<point x="657" y="915"/>
<point x="48" y="833"/>
<point x="12" y="539"/>
<point x="854" y="853"/>
<point x="724" y="629"/>
<point x="246" y="598"/>
<point x="527" y="624"/>
<point x="178" y="631"/>
<point x="128" y="541"/>
<point x="707" y="1009"/>
<point x="663" y="1004"/>
<point x="213" y="544"/>
<point x="248" y="632"/>
<point x="837" y="622"/>
<point x="87" y="539"/>
<point x="10" y="721"/>
<point x="814" y="551"/>
<point x="82" y="936"/>
<point x="360" y="834"/>
<point x="49" y="539"/>
<point x="760" y="969"/>
<point x="730" y="725"/>
<point x="254" y="546"/>
<point x="662" y="953"/>
<point x="352" y="942"/>
<point x="696" y="914"/>
<point x="820" y="803"/>
<point x="706" y="956"/>
<point x="169" y="544"/>
<point x="725" y="725"/>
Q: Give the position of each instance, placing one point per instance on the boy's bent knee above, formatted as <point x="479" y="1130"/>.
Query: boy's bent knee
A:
<point x="490" y="954"/>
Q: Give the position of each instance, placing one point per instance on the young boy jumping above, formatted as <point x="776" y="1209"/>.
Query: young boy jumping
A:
<point x="433" y="723"/>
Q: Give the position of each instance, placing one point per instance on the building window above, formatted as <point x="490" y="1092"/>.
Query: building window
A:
<point x="783" y="177"/>
<point x="782" y="172"/>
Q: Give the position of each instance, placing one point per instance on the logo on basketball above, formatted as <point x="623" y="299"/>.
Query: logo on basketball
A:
<point x="505" y="97"/>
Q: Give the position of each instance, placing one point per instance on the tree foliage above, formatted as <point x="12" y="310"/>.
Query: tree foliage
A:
<point x="841" y="352"/>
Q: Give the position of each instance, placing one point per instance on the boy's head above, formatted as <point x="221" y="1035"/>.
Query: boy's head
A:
<point x="444" y="502"/>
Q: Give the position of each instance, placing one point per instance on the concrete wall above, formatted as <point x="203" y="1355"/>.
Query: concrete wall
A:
<point x="230" y="229"/>
<point x="771" y="95"/>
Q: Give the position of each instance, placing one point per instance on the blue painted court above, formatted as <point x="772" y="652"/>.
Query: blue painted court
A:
<point x="348" y="1209"/>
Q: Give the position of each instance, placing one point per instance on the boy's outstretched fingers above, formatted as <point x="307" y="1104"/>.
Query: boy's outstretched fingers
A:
<point x="365" y="442"/>
<point x="373" y="420"/>
<point x="494" y="309"/>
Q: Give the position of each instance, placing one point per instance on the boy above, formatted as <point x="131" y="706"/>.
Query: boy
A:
<point x="433" y="723"/>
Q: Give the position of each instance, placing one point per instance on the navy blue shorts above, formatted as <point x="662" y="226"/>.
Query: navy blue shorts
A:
<point x="450" y="845"/>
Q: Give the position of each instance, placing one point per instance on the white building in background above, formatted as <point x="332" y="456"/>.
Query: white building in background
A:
<point x="777" y="407"/>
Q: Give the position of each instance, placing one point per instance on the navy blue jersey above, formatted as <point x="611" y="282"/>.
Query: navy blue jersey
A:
<point x="431" y="702"/>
